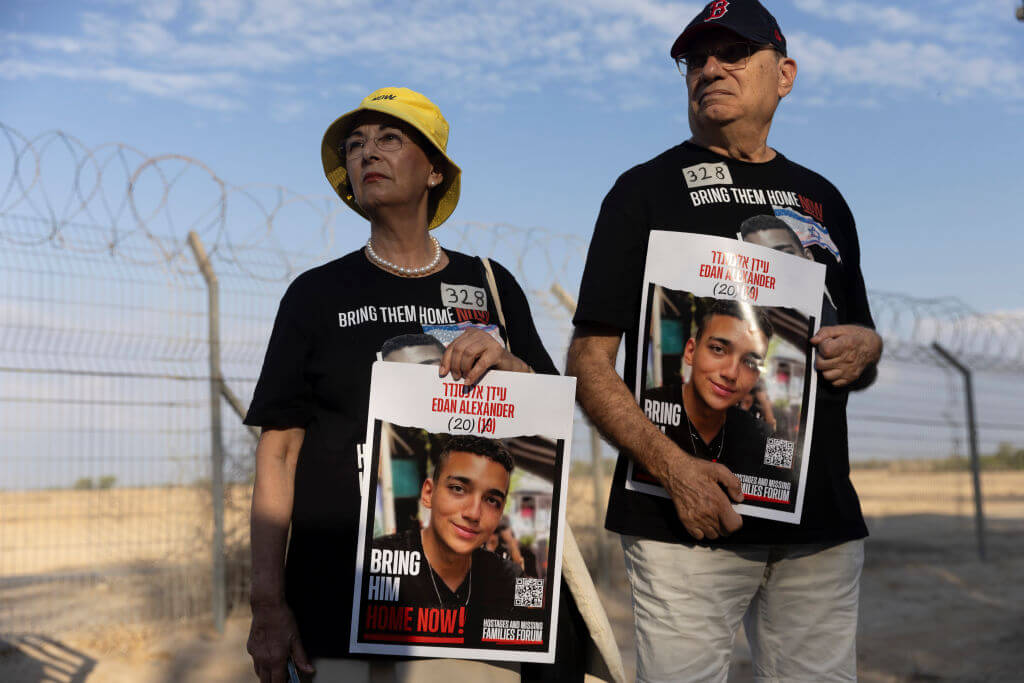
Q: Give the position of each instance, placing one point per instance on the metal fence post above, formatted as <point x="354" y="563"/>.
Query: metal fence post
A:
<point x="972" y="444"/>
<point x="216" y="439"/>
<point x="597" y="472"/>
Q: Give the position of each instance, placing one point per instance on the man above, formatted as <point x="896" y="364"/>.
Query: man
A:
<point x="725" y="357"/>
<point x="775" y="233"/>
<point x="758" y="404"/>
<point x="695" y="566"/>
<point x="772" y="232"/>
<point x="422" y="349"/>
<point x="503" y="542"/>
<point x="466" y="497"/>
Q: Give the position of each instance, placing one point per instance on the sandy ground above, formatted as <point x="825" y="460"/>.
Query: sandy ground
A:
<point x="930" y="609"/>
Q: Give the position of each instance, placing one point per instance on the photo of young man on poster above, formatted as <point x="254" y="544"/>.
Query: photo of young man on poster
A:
<point x="725" y="356"/>
<point x="422" y="349"/>
<point x="446" y="563"/>
<point x="451" y="468"/>
<point x="713" y="392"/>
<point x="775" y="233"/>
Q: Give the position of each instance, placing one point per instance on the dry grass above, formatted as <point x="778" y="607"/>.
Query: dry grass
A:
<point x="930" y="609"/>
<point x="74" y="531"/>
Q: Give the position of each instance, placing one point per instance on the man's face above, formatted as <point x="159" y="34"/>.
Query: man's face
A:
<point x="465" y="500"/>
<point x="726" y="361"/>
<point x="720" y="96"/>
<point x="424" y="354"/>
<point x="779" y="239"/>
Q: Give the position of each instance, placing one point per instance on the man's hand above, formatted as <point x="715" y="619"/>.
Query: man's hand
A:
<point x="845" y="351"/>
<point x="473" y="353"/>
<point x="273" y="637"/>
<point x="699" y="491"/>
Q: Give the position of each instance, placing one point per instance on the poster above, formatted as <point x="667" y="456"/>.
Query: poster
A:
<point x="726" y="368"/>
<point x="460" y="543"/>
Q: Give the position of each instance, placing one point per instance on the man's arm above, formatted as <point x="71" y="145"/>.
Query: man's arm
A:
<point x="695" y="485"/>
<point x="273" y="636"/>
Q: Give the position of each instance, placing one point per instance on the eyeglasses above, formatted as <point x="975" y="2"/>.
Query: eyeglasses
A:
<point x="732" y="57"/>
<point x="389" y="141"/>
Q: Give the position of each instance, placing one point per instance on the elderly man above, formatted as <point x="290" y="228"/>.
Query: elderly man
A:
<point x="695" y="566"/>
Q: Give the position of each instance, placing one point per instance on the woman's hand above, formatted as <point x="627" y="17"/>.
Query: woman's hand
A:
<point x="473" y="353"/>
<point x="273" y="638"/>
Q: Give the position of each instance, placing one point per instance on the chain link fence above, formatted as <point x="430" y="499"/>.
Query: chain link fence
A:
<point x="106" y="496"/>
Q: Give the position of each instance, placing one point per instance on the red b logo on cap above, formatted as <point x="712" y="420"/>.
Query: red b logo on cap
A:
<point x="717" y="9"/>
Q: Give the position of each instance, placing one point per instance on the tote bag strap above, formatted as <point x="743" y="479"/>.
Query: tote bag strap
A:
<point x="493" y="286"/>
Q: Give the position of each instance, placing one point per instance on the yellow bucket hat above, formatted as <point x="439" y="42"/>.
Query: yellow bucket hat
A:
<point x="420" y="113"/>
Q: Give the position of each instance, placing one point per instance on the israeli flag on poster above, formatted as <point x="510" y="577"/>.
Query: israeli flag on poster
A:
<point x="808" y="230"/>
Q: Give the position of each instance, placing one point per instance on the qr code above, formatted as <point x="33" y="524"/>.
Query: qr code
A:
<point x="779" y="452"/>
<point x="529" y="592"/>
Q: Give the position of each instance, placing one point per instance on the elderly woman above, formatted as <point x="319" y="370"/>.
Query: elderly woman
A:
<point x="387" y="160"/>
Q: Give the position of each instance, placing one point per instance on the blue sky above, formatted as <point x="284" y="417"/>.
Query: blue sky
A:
<point x="915" y="110"/>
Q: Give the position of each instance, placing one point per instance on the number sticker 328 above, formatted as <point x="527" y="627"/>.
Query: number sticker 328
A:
<point x="464" y="296"/>
<point x="701" y="175"/>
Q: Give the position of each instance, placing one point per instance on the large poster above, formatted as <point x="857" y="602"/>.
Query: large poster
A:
<point x="725" y="364"/>
<point x="460" y="544"/>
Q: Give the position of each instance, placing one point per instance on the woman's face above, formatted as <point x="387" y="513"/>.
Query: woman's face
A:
<point x="387" y="177"/>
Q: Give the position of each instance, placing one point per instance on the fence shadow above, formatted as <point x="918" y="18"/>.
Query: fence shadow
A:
<point x="40" y="659"/>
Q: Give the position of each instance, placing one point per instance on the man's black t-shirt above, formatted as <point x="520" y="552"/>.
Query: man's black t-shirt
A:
<point x="331" y="323"/>
<point x="691" y="189"/>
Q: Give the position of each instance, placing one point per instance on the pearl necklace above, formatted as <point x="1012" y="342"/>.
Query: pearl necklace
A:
<point x="404" y="270"/>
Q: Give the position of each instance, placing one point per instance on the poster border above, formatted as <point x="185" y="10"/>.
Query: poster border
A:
<point x="806" y="417"/>
<point x="563" y="450"/>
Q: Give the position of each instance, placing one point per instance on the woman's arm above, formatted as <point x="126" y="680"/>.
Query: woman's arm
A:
<point x="274" y="635"/>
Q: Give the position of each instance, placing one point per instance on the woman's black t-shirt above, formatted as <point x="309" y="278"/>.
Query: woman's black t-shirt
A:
<point x="331" y="323"/>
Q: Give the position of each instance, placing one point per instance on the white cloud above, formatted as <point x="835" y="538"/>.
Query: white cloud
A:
<point x="890" y="18"/>
<point x="149" y="39"/>
<point x="499" y="48"/>
<point x="65" y="44"/>
<point x="635" y="102"/>
<point x="622" y="61"/>
<point x="162" y="11"/>
<point x="962" y="21"/>
<point x="202" y="90"/>
<point x="287" y="111"/>
<point x="894" y="69"/>
<point x="216" y="15"/>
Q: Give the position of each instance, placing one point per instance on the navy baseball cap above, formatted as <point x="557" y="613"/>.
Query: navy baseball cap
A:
<point x="746" y="18"/>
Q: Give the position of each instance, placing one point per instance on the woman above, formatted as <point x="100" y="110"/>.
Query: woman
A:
<point x="387" y="160"/>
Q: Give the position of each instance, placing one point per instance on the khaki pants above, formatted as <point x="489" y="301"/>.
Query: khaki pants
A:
<point x="798" y="604"/>
<point x="414" y="671"/>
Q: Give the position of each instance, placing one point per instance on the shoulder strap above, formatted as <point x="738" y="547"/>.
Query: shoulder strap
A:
<point x="493" y="286"/>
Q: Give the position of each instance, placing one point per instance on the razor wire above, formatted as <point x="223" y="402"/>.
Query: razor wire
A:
<point x="115" y="200"/>
<point x="103" y="366"/>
